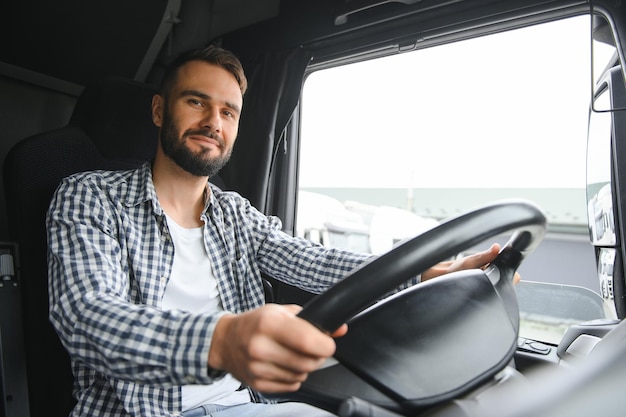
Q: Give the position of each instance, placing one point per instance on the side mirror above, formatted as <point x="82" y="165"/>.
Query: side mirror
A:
<point x="604" y="56"/>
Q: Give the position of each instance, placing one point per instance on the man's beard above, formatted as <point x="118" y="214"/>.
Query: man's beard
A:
<point x="198" y="163"/>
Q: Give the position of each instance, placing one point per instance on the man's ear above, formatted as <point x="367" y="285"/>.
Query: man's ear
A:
<point x="157" y="109"/>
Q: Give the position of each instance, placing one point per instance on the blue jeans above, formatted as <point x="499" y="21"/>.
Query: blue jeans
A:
<point x="288" y="409"/>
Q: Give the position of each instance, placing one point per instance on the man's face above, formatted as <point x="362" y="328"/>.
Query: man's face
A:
<point x="200" y="118"/>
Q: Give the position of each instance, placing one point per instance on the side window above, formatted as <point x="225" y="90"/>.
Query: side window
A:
<point x="392" y="146"/>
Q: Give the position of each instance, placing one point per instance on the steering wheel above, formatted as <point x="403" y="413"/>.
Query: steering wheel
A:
<point x="432" y="341"/>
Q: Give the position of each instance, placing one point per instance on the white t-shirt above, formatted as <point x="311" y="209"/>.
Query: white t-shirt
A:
<point x="192" y="287"/>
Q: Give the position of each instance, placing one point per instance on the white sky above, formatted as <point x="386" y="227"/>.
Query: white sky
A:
<point x="507" y="110"/>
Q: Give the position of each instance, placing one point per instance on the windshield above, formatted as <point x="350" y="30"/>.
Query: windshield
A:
<point x="391" y="146"/>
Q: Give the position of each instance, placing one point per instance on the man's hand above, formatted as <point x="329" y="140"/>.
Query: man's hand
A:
<point x="270" y="348"/>
<point x="477" y="260"/>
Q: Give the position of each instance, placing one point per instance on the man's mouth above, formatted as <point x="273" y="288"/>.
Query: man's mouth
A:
<point x="206" y="137"/>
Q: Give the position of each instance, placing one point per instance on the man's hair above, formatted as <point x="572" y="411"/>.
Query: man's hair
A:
<point x="211" y="54"/>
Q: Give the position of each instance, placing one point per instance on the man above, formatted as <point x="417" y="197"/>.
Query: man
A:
<point x="155" y="286"/>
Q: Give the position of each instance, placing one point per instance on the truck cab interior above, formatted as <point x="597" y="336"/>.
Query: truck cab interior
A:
<point x="76" y="82"/>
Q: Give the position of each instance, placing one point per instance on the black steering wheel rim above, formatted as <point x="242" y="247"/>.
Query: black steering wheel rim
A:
<point x="377" y="277"/>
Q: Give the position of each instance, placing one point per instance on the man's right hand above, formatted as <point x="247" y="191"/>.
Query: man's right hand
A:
<point x="270" y="349"/>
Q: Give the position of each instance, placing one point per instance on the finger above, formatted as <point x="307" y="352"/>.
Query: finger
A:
<point x="301" y="336"/>
<point x="269" y="377"/>
<point x="284" y="362"/>
<point x="293" y="334"/>
<point x="294" y="308"/>
<point x="490" y="253"/>
<point x="341" y="331"/>
<point x="281" y="372"/>
<point x="482" y="258"/>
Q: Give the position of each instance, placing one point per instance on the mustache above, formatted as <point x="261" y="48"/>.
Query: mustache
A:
<point x="206" y="133"/>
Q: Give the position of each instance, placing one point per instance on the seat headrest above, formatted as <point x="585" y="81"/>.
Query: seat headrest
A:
<point x="116" y="114"/>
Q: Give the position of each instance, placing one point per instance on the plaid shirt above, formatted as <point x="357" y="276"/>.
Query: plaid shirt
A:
<point x="110" y="256"/>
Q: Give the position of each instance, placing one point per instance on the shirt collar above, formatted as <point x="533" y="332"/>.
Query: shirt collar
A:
<point x="141" y="189"/>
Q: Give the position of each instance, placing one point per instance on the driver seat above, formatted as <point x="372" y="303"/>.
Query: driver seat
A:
<point x="110" y="128"/>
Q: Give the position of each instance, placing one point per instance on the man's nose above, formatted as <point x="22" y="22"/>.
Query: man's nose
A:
<point x="212" y="120"/>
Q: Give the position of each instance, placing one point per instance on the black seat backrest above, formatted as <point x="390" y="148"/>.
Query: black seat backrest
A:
<point x="111" y="128"/>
